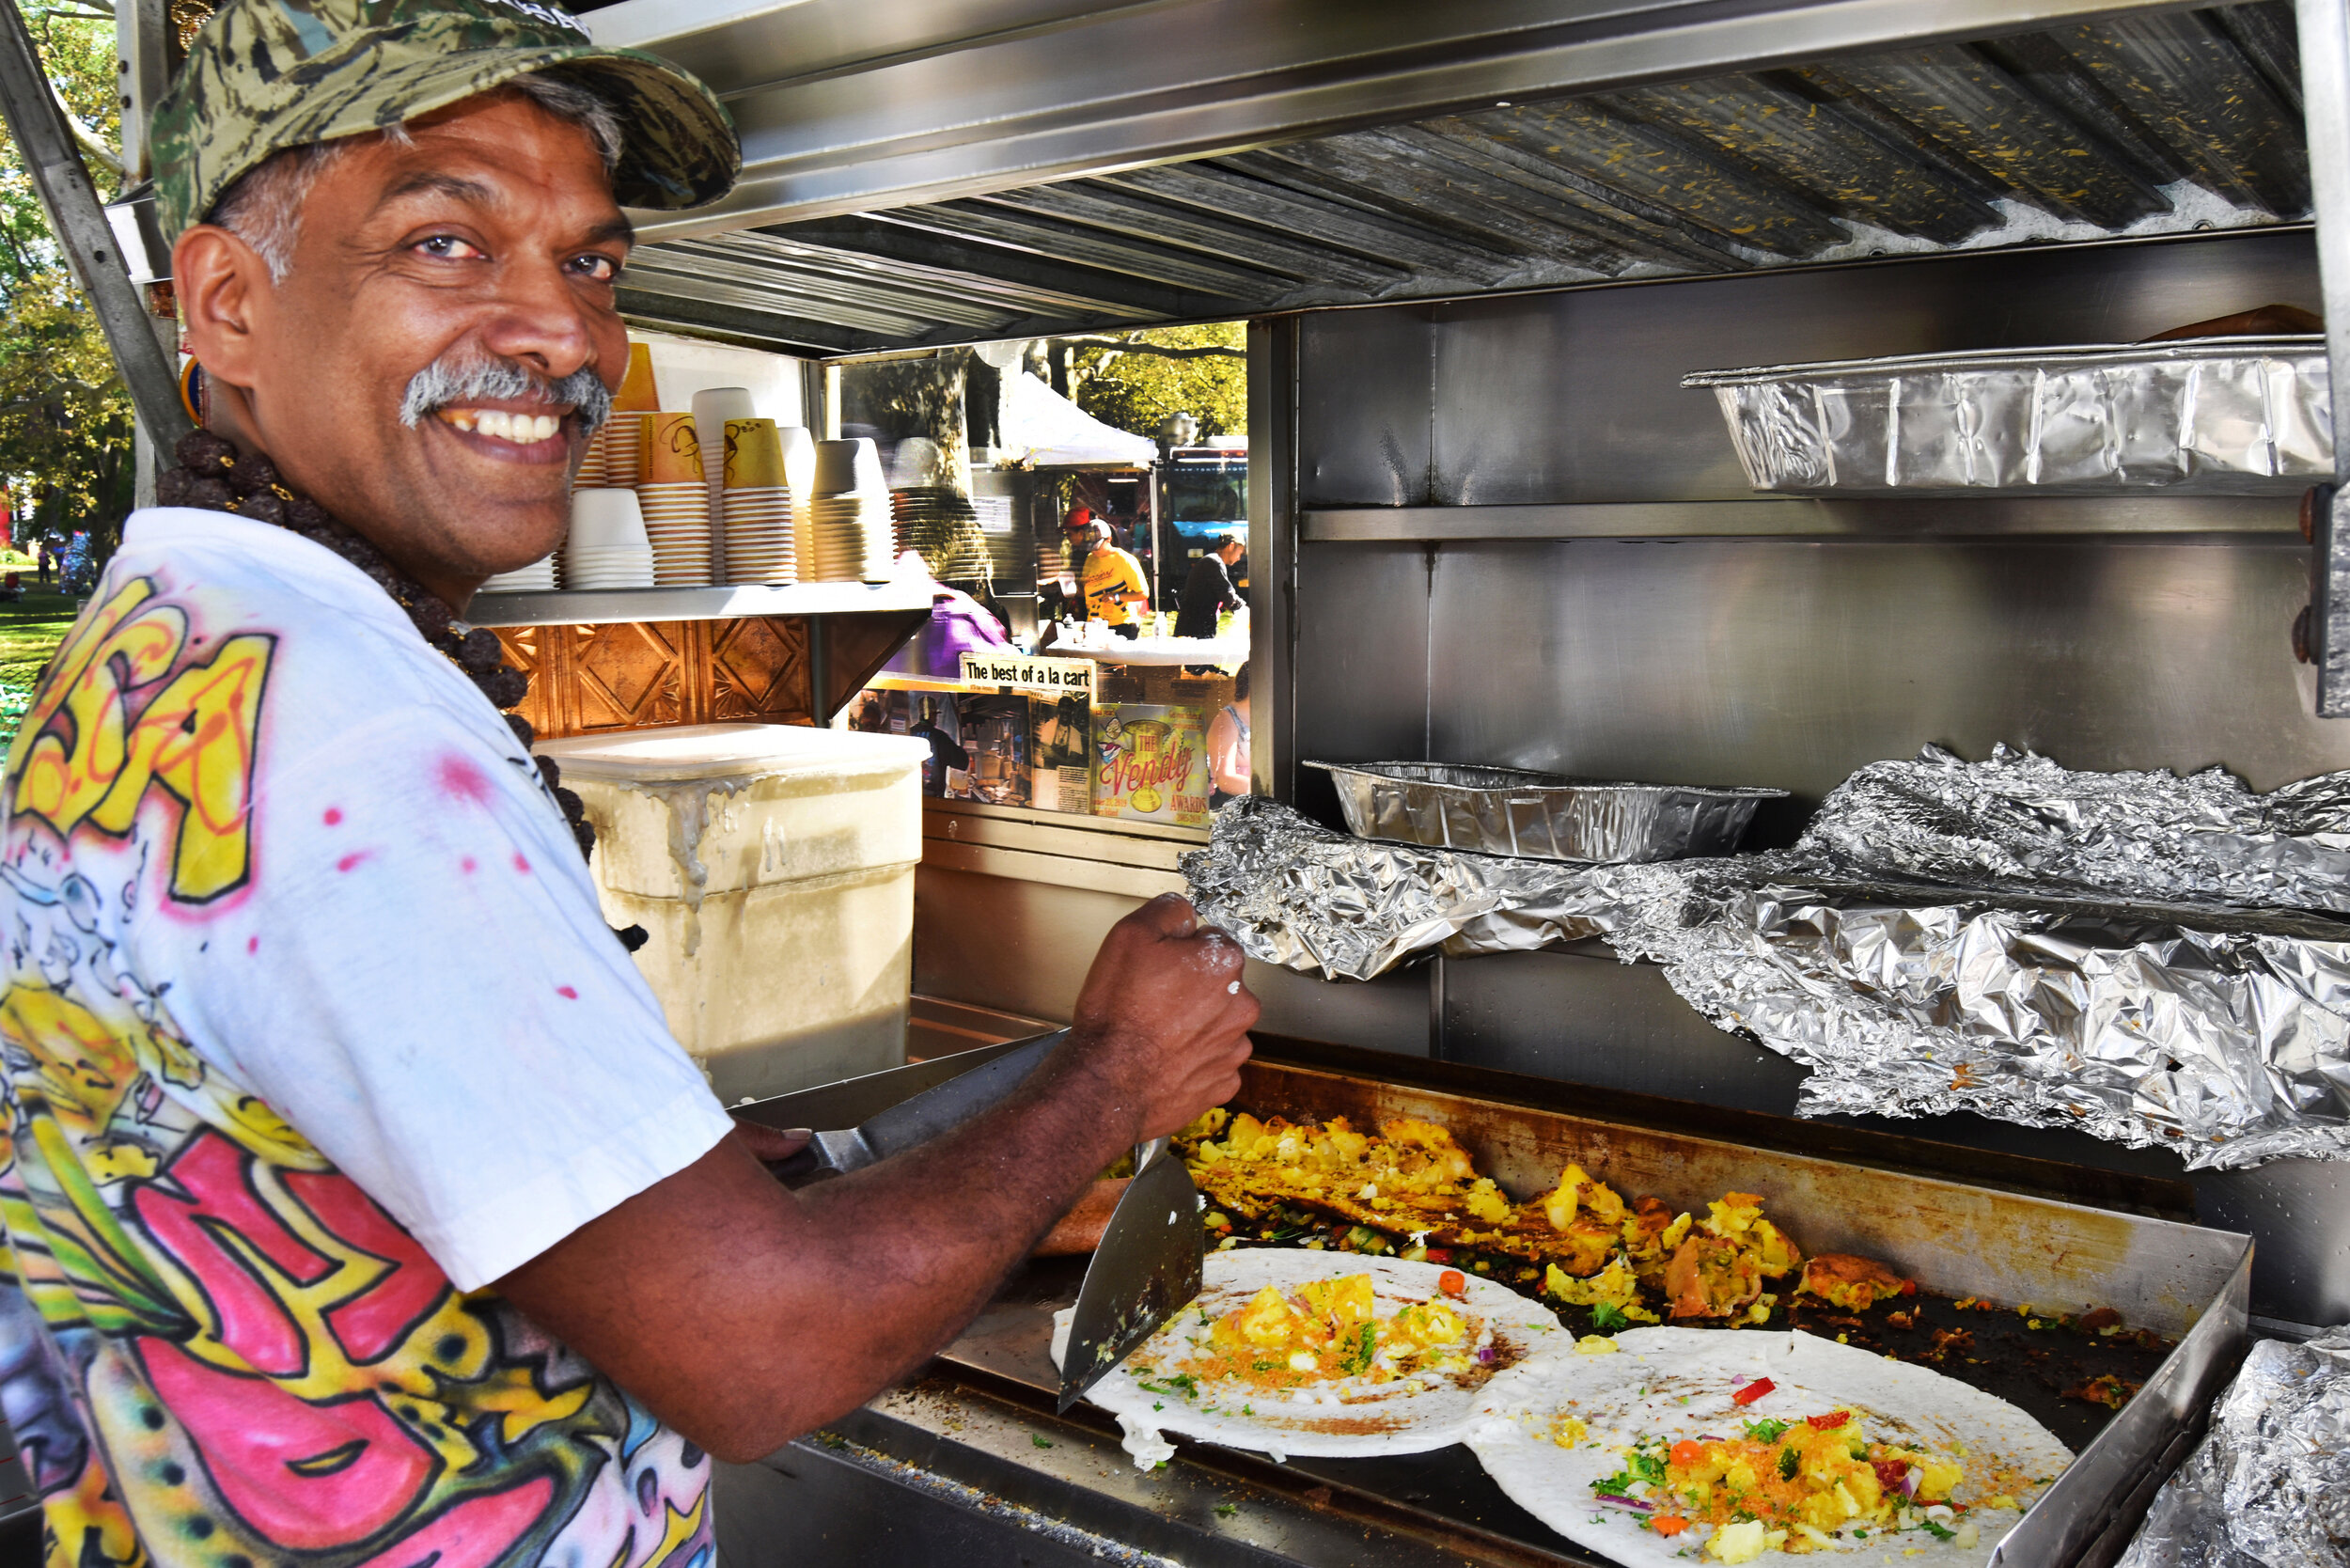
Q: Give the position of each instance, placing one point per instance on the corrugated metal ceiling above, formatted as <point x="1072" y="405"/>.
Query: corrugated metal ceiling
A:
<point x="2150" y="123"/>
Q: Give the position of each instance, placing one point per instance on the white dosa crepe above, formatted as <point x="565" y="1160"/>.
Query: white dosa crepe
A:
<point x="1348" y="1415"/>
<point x="1638" y="1391"/>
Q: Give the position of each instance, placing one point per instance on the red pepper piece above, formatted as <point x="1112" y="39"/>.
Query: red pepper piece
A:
<point x="1753" y="1391"/>
<point x="1828" y="1423"/>
<point x="1890" y="1472"/>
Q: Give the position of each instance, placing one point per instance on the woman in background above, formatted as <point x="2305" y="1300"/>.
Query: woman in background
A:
<point x="1227" y="746"/>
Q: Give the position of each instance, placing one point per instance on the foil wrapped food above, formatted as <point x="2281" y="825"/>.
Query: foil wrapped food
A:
<point x="2224" y="415"/>
<point x="2004" y="937"/>
<point x="2269" y="1485"/>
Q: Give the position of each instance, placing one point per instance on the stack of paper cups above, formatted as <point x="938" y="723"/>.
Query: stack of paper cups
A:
<point x="538" y="577"/>
<point x="713" y="406"/>
<point x="849" y="518"/>
<point x="621" y="448"/>
<point x="676" y="502"/>
<point x="606" y="546"/>
<point x="758" y="508"/>
<point x="594" y="472"/>
<point x="799" y="478"/>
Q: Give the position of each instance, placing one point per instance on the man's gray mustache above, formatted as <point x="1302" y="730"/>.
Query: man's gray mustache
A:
<point x="451" y="380"/>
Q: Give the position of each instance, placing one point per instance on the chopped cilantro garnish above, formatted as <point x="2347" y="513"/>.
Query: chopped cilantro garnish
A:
<point x="1787" y="1464"/>
<point x="1766" y="1430"/>
<point x="1039" y="1440"/>
<point x="1936" y="1528"/>
<point x="1227" y="1509"/>
<point x="1607" y="1318"/>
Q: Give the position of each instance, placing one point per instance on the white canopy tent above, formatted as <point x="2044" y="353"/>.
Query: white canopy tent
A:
<point x="1039" y="428"/>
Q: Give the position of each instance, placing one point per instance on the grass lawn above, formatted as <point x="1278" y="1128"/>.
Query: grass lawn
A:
<point x="30" y="631"/>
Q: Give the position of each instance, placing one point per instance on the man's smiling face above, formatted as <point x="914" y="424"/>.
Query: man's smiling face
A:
<point x="486" y="238"/>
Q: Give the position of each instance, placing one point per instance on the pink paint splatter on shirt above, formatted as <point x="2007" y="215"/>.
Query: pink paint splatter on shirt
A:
<point x="566" y="993"/>
<point x="469" y="865"/>
<point x="348" y="861"/>
<point x="522" y="862"/>
<point x="334" y="816"/>
<point x="252" y="943"/>
<point x="461" y="779"/>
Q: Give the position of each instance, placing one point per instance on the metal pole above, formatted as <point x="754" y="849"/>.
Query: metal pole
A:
<point x="82" y="233"/>
<point x="2325" y="26"/>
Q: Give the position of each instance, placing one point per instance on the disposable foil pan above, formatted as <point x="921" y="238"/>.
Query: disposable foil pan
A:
<point x="1544" y="815"/>
<point x="2212" y="416"/>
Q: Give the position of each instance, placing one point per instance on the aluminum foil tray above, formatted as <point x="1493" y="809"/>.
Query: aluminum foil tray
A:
<point x="1543" y="815"/>
<point x="2212" y="416"/>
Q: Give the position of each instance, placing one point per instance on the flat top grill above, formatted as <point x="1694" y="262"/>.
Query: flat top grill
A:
<point x="2177" y="1278"/>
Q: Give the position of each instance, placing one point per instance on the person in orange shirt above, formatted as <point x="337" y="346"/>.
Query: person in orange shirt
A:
<point x="1116" y="592"/>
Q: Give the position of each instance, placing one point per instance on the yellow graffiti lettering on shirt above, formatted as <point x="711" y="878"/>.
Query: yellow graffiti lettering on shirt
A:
<point x="193" y="738"/>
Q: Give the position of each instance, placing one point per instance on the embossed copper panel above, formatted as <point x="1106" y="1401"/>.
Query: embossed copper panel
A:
<point x="759" y="670"/>
<point x="641" y="675"/>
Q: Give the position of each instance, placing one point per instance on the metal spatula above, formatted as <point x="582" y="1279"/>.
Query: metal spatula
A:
<point x="1145" y="1270"/>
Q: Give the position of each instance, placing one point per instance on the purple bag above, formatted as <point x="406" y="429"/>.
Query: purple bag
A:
<point x="957" y="624"/>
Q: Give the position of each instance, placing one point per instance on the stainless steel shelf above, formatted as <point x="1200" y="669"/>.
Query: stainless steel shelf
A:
<point x="1873" y="518"/>
<point x="597" y="606"/>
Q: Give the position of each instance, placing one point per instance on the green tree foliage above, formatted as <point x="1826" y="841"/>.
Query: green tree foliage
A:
<point x="1137" y="379"/>
<point x="65" y="418"/>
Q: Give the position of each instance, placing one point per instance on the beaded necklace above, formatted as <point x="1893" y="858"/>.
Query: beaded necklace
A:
<point x="213" y="478"/>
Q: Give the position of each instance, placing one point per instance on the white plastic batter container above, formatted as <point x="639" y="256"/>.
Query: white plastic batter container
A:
<point x="773" y="866"/>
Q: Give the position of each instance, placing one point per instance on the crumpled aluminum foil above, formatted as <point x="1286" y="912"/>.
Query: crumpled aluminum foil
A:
<point x="2018" y="821"/>
<point x="2269" y="1487"/>
<point x="2089" y="973"/>
<point x="1298" y="895"/>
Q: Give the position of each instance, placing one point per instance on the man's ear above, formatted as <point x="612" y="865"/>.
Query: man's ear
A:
<point x="222" y="285"/>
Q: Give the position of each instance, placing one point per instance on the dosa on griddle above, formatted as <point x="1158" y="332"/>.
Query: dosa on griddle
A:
<point x="1664" y="1385"/>
<point x="1331" y="1413"/>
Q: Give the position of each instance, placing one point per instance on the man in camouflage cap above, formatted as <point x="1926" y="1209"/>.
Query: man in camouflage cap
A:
<point x="359" y="1208"/>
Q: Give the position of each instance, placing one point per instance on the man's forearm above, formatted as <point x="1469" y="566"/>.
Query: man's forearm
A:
<point x="925" y="1239"/>
<point x="786" y="1309"/>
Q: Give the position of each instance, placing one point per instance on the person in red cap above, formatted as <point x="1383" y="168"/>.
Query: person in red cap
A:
<point x="1110" y="579"/>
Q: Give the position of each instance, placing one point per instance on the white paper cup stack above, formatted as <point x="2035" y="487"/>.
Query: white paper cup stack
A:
<point x="538" y="577"/>
<point x="760" y="545"/>
<point x="713" y="406"/>
<point x="607" y="547"/>
<point x="849" y="522"/>
<point x="799" y="478"/>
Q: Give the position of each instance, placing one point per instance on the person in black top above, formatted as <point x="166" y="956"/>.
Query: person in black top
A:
<point x="1209" y="591"/>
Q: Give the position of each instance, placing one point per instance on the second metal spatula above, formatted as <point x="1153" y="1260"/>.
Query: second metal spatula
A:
<point x="1145" y="1270"/>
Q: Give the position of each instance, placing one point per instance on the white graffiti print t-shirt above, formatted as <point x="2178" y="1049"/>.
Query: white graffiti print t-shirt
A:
<point x="311" y="1029"/>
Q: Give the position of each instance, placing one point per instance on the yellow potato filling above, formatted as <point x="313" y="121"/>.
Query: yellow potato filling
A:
<point x="1329" y="1329"/>
<point x="1788" y="1486"/>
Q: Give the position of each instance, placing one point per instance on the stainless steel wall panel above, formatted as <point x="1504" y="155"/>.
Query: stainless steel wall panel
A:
<point x="1389" y="1013"/>
<point x="1362" y="652"/>
<point x="1623" y="1027"/>
<point x="1364" y="405"/>
<point x="1576" y="395"/>
<point x="1022" y="946"/>
<point x="1788" y="663"/>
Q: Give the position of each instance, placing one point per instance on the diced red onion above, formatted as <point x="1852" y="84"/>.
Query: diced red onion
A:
<point x="1484" y="1352"/>
<point x="1910" y="1481"/>
<point x="1633" y="1503"/>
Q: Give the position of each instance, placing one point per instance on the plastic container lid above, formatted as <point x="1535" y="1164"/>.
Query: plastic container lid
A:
<point x="728" y="751"/>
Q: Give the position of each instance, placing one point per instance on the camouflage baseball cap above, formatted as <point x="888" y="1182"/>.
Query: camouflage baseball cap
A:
<point x="266" y="76"/>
